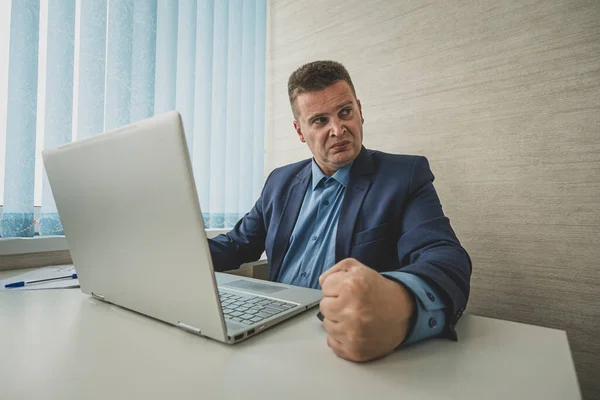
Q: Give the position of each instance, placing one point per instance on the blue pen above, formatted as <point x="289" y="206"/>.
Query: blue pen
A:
<point x="23" y="283"/>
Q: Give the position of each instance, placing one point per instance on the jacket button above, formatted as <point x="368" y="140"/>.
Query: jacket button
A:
<point x="431" y="296"/>
<point x="432" y="323"/>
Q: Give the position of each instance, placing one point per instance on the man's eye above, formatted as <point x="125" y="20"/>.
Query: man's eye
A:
<point x="345" y="112"/>
<point x="320" y="120"/>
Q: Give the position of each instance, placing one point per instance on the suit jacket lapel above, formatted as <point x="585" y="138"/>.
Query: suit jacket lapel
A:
<point x="288" y="220"/>
<point x="358" y="186"/>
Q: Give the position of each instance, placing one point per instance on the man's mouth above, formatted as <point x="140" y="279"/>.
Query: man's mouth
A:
<point x="340" y="145"/>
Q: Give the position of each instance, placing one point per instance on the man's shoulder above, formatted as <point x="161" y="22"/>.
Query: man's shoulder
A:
<point x="288" y="171"/>
<point x="388" y="159"/>
<point x="403" y="167"/>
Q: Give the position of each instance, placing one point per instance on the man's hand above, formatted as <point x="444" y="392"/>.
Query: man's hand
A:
<point x="366" y="314"/>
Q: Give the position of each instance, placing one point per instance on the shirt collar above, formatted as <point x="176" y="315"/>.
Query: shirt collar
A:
<point x="342" y="175"/>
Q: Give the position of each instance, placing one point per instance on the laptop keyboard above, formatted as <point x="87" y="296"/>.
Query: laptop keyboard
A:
<point x="249" y="309"/>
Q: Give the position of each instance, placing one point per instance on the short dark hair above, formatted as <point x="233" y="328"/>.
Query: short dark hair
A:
<point x="316" y="76"/>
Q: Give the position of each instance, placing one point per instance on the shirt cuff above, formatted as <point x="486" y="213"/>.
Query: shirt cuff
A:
<point x="430" y="317"/>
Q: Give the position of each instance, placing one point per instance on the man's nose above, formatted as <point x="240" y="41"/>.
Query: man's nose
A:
<point x="337" y="128"/>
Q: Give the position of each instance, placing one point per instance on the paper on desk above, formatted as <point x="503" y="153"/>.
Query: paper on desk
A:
<point x="43" y="273"/>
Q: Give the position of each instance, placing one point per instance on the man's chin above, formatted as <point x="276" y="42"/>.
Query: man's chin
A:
<point x="350" y="153"/>
<point x="344" y="158"/>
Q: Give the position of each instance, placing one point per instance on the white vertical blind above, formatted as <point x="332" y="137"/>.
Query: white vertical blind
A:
<point x="247" y="97"/>
<point x="203" y="103"/>
<point x="186" y="59"/>
<point x="219" y="116"/>
<point x="112" y="62"/>
<point x="92" y="67"/>
<point x="260" y="57"/>
<point x="58" y="116"/>
<point x="21" y="119"/>
<point x="5" y="10"/>
<point x="117" y="104"/>
<point x="234" y="108"/>
<point x="143" y="59"/>
<point x="166" y="56"/>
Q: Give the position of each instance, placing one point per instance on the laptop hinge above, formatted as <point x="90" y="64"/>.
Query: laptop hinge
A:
<point x="189" y="328"/>
<point x="98" y="296"/>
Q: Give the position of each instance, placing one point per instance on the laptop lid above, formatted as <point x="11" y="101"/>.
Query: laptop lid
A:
<point x="130" y="213"/>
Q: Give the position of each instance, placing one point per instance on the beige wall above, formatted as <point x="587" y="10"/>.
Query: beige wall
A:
<point x="503" y="97"/>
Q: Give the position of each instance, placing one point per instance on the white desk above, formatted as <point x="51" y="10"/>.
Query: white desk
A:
<point x="62" y="344"/>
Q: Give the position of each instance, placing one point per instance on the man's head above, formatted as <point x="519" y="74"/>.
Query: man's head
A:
<point x="327" y="114"/>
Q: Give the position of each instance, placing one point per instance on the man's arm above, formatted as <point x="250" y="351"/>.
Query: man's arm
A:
<point x="429" y="250"/>
<point x="367" y="314"/>
<point x="244" y="243"/>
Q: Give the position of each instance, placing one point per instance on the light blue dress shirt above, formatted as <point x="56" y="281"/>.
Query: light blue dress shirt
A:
<point x="312" y="251"/>
<point x="312" y="244"/>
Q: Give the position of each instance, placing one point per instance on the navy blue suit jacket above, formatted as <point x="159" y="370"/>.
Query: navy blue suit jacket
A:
<point x="391" y="219"/>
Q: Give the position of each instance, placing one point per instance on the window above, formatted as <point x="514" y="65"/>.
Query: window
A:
<point x="81" y="67"/>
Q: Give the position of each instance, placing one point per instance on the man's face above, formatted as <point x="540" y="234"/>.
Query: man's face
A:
<point x="330" y="123"/>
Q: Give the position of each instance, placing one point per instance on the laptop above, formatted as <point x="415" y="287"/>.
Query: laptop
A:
<point x="131" y="216"/>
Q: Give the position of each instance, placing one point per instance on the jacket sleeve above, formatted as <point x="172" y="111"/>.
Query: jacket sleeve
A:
<point x="429" y="248"/>
<point x="430" y="318"/>
<point x="244" y="243"/>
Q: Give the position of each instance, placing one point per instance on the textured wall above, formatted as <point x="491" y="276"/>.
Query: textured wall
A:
<point x="504" y="100"/>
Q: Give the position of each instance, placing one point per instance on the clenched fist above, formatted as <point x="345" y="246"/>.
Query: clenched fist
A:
<point x="366" y="315"/>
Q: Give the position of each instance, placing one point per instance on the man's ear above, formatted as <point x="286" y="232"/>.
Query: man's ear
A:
<point x="360" y="110"/>
<point x="299" y="131"/>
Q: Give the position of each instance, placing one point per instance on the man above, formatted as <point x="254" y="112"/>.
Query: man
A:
<point x="365" y="226"/>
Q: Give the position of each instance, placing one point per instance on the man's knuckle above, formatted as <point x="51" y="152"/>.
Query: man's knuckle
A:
<point x="342" y="264"/>
<point x="356" y="283"/>
<point x="353" y="339"/>
<point x="330" y="342"/>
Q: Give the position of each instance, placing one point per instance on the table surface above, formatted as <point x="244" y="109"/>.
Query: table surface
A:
<point x="62" y="344"/>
